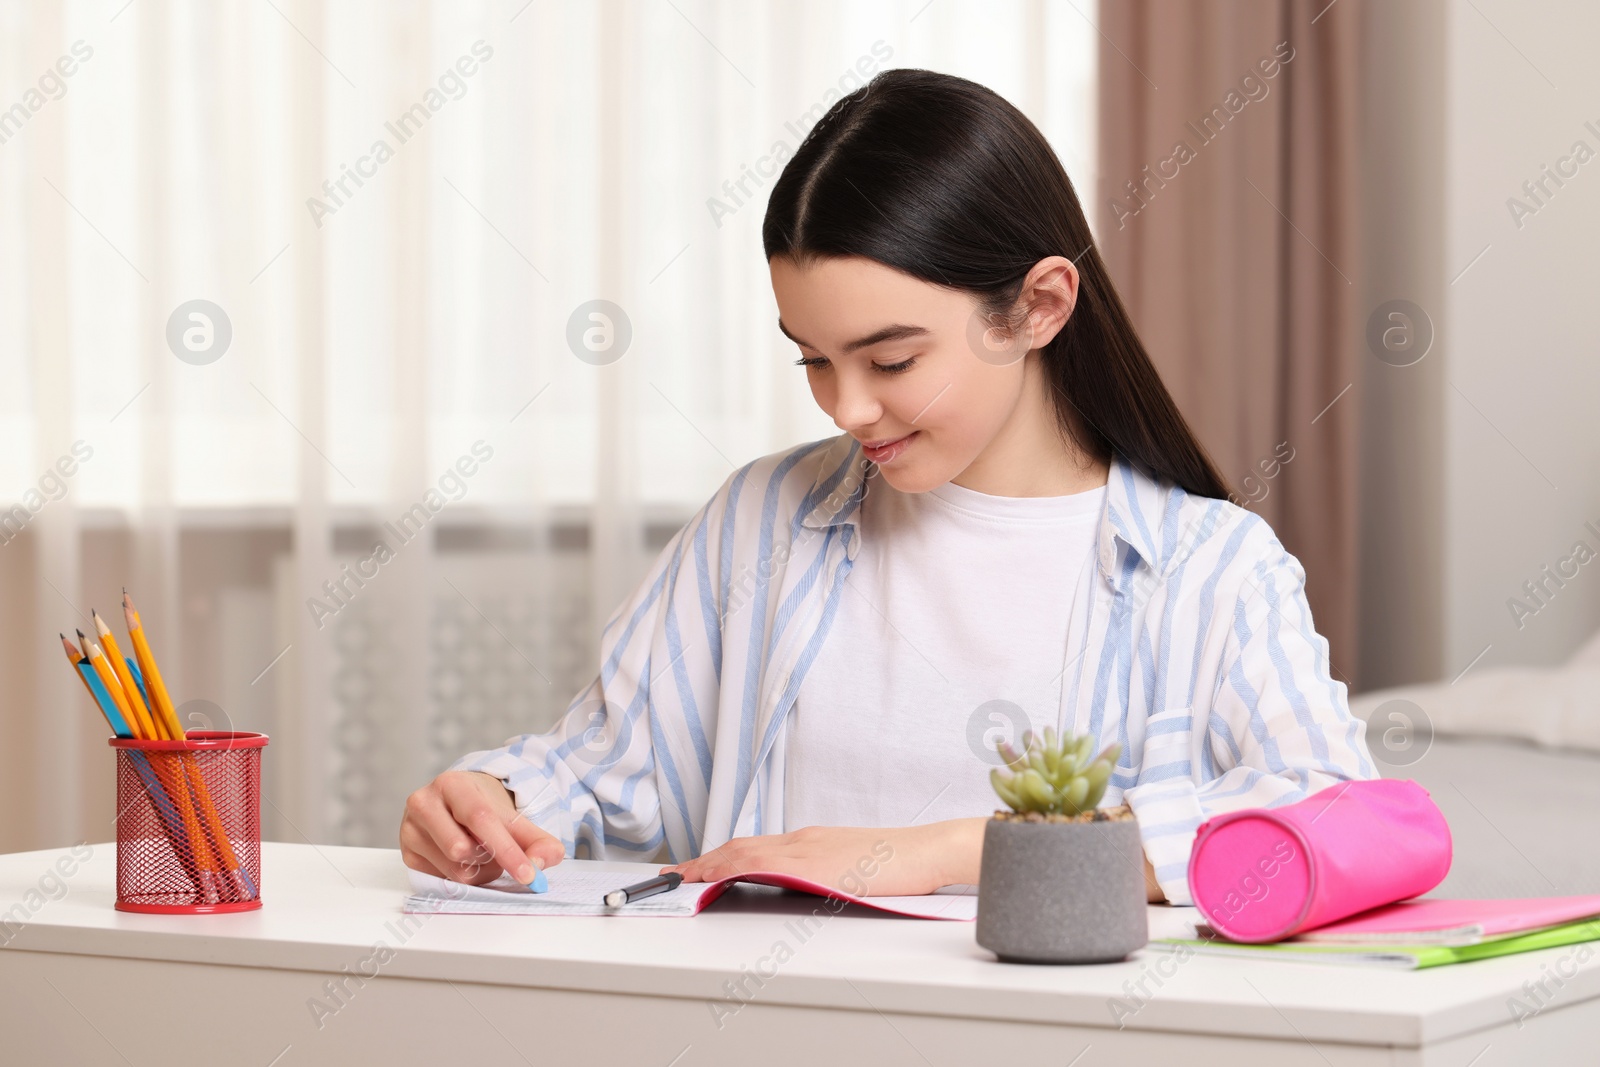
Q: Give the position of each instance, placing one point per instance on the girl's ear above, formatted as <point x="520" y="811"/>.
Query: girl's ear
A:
<point x="1049" y="293"/>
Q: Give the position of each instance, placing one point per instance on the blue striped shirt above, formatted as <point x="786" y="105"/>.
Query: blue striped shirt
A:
<point x="1196" y="653"/>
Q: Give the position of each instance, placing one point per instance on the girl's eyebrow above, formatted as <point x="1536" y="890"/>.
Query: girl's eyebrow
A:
<point x="897" y="332"/>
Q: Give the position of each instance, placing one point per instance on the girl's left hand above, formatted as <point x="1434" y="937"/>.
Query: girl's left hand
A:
<point x="867" y="861"/>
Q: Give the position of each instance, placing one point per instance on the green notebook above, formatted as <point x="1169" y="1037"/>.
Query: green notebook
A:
<point x="1401" y="957"/>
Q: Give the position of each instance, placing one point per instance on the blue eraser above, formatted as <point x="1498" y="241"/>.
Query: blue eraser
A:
<point x="540" y="884"/>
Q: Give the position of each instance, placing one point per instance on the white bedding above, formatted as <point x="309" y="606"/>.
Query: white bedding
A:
<point x="1514" y="764"/>
<point x="1557" y="707"/>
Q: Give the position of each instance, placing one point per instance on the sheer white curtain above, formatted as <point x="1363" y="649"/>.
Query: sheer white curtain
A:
<point x="399" y="214"/>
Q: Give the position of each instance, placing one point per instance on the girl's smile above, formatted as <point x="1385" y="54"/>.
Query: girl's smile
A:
<point x="887" y="451"/>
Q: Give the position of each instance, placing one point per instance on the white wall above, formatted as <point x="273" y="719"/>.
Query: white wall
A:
<point x="1521" y="397"/>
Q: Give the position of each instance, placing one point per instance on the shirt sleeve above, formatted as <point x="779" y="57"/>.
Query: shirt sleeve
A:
<point x="592" y="779"/>
<point x="1279" y="727"/>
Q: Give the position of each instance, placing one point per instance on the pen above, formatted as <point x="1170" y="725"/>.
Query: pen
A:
<point x="649" y="888"/>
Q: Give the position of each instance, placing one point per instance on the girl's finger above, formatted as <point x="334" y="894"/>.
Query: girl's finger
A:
<point x="538" y="845"/>
<point x="473" y="812"/>
<point x="417" y="862"/>
<point x="427" y="809"/>
<point x="415" y="842"/>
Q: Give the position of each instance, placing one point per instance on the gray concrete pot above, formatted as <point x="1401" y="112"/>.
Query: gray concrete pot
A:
<point x="1062" y="892"/>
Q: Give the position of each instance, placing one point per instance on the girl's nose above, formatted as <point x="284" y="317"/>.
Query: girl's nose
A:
<point x="856" y="407"/>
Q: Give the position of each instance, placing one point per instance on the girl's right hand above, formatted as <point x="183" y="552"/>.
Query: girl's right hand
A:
<point x="464" y="826"/>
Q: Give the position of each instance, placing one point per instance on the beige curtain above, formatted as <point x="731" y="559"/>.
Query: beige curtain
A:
<point x="1228" y="209"/>
<point x="572" y="153"/>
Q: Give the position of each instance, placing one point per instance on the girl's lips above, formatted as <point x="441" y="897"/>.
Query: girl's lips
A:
<point x="887" y="453"/>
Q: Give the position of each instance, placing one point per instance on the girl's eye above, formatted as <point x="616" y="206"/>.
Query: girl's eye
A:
<point x="887" y="368"/>
<point x="896" y="368"/>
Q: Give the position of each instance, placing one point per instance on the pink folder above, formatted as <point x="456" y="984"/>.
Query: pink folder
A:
<point x="1455" y="922"/>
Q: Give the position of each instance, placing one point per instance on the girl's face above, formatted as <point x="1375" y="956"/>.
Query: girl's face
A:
<point x="905" y="366"/>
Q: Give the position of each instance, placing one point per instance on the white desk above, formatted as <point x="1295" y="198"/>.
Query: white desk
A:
<point x="83" y="984"/>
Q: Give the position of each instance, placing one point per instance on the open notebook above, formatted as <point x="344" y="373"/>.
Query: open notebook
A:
<point x="578" y="886"/>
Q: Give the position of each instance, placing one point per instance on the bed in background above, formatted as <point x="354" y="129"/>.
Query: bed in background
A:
<point x="1514" y="764"/>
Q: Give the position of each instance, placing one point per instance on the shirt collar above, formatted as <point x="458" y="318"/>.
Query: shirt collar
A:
<point x="1139" y="510"/>
<point x="835" y="496"/>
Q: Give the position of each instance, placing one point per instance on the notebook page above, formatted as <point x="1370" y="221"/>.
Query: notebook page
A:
<point x="578" y="889"/>
<point x="573" y="891"/>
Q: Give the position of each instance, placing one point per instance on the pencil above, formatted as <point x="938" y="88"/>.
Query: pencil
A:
<point x="176" y="773"/>
<point x="108" y="678"/>
<point x="160" y="703"/>
<point x="173" y="775"/>
<point x="160" y="796"/>
<point x="119" y="667"/>
<point x="79" y="661"/>
<point x="156" y="692"/>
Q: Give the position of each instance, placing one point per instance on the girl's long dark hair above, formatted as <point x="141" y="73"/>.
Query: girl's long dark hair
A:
<point x="942" y="179"/>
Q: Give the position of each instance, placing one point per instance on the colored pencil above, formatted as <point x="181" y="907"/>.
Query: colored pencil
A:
<point x="175" y="775"/>
<point x="80" y="664"/>
<point x="178" y="769"/>
<point x="117" y="662"/>
<point x="156" y="696"/>
<point x="130" y="694"/>
<point x="171" y="822"/>
<point x="156" y="690"/>
<point x="107" y="678"/>
<point x="159" y="789"/>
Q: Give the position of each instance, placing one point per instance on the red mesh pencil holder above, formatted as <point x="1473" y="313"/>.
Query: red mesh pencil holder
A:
<point x="189" y="823"/>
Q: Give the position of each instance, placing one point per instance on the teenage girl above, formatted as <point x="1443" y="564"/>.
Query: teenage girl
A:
<point x="1015" y="529"/>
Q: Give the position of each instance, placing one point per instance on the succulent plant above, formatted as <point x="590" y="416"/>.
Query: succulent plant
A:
<point x="1053" y="776"/>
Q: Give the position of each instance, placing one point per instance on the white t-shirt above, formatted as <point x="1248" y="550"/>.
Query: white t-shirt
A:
<point x="951" y="627"/>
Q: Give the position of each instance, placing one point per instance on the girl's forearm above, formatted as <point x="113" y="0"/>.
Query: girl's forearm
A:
<point x="957" y="850"/>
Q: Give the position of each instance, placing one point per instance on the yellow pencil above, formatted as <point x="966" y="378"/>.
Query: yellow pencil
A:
<point x="176" y="777"/>
<point x="184" y="771"/>
<point x="130" y="688"/>
<point x="158" y="781"/>
<point x="160" y="703"/>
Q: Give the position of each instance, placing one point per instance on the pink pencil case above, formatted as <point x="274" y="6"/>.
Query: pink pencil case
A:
<point x="1264" y="874"/>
